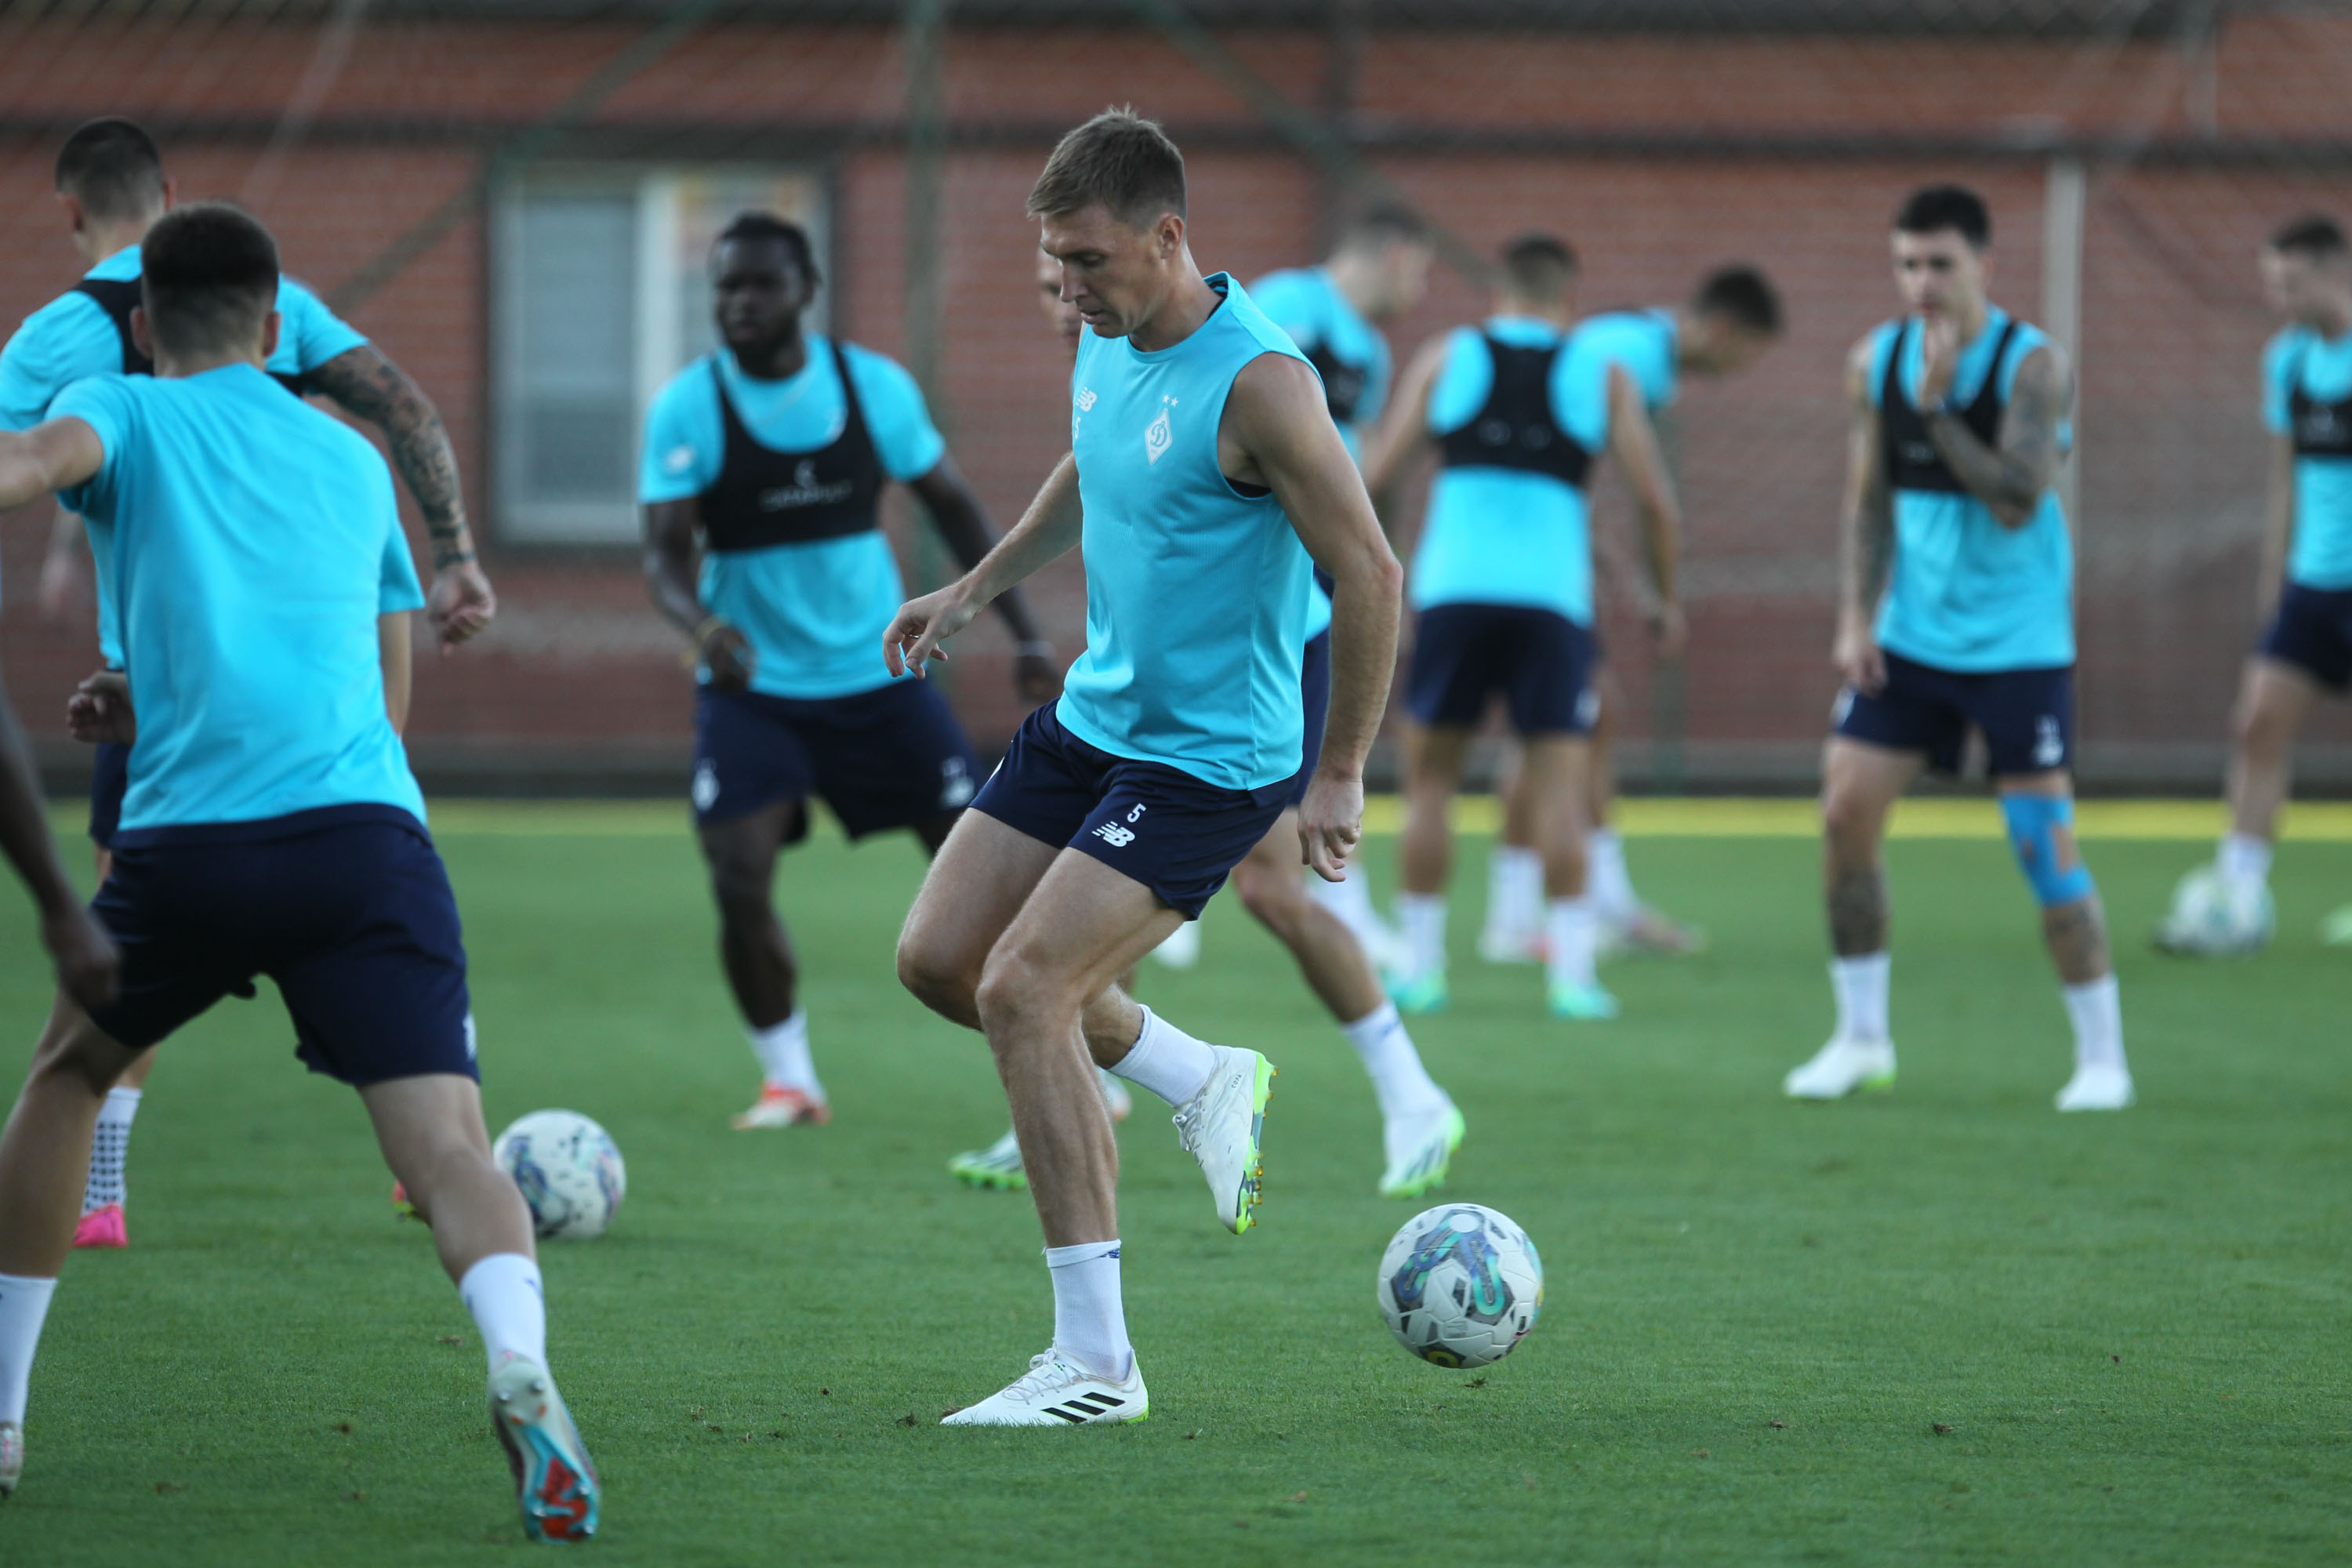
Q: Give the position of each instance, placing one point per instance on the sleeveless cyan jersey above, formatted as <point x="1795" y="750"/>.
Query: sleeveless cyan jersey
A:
<point x="1518" y="412"/>
<point x="1197" y="590"/>
<point x="2307" y="397"/>
<point x="786" y="477"/>
<point x="1967" y="593"/>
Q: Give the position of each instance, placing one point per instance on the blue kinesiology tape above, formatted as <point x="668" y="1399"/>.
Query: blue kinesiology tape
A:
<point x="2041" y="833"/>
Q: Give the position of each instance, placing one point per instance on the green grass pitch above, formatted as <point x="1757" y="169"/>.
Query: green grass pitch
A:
<point x="1945" y="1325"/>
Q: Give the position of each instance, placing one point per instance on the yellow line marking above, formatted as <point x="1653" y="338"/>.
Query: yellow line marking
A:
<point x="1732" y="816"/>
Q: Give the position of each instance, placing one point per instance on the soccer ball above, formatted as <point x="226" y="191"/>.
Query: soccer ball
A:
<point x="2211" y="917"/>
<point x="569" y="1169"/>
<point x="1460" y="1285"/>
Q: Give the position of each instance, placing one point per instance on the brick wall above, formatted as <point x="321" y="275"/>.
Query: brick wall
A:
<point x="1657" y="155"/>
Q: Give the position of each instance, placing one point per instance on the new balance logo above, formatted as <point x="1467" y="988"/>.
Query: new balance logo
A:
<point x="2049" y="741"/>
<point x="1112" y="834"/>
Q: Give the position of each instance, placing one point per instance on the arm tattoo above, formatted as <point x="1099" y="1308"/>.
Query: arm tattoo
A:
<point x="2012" y="480"/>
<point x="371" y="388"/>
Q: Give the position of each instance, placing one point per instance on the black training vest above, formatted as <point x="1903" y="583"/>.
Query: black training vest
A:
<point x="1912" y="462"/>
<point x="2320" y="429"/>
<point x="763" y="497"/>
<point x="1516" y="429"/>
<point x="117" y="297"/>
<point x="1343" y="383"/>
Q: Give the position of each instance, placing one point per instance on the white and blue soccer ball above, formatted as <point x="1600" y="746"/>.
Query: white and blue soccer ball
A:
<point x="1460" y="1285"/>
<point x="569" y="1169"/>
<point x="2211" y="915"/>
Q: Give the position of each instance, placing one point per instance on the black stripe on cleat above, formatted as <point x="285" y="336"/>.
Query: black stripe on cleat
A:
<point x="1064" y="1415"/>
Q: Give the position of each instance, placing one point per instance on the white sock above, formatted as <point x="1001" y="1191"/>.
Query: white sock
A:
<point x="1089" y="1323"/>
<point x="1861" y="986"/>
<point x="1606" y="881"/>
<point x="1423" y="916"/>
<point x="1514" y="890"/>
<point x="107" y="1150"/>
<point x="1166" y="1060"/>
<point x="1572" y="936"/>
<point x="2244" y="860"/>
<point x="784" y="1053"/>
<point x="24" y="1306"/>
<point x="1350" y="901"/>
<point x="2097" y="1009"/>
<point x="503" y="1293"/>
<point x="1403" y="1085"/>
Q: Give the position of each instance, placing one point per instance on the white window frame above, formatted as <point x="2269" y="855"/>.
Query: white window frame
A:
<point x="679" y="209"/>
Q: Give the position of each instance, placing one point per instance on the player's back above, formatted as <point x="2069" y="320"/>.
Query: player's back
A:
<point x="252" y="536"/>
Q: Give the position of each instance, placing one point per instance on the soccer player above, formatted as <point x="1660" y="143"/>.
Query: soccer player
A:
<point x="1501" y="579"/>
<point x="112" y="188"/>
<point x="1202" y="457"/>
<point x="1420" y="1128"/>
<point x="271" y="826"/>
<point x="2305" y="590"/>
<point x="85" y="959"/>
<point x="1728" y="324"/>
<point x="1957" y="612"/>
<point x="1335" y="312"/>
<point x="771" y="454"/>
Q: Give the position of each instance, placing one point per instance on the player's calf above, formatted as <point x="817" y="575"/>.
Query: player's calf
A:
<point x="2042" y="835"/>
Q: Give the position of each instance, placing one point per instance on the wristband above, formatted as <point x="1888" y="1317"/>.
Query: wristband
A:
<point x="1033" y="647"/>
<point x="710" y="624"/>
<point x="1941" y="406"/>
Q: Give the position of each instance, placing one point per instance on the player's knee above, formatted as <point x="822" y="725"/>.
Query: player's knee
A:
<point x="2041" y="836"/>
<point x="937" y="980"/>
<point x="1269" y="891"/>
<point x="1015" y="993"/>
<point x="73" y="1052"/>
<point x="2256" y="726"/>
<point x="1849" y="817"/>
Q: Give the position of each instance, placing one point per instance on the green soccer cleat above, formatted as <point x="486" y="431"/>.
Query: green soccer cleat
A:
<point x="1416" y="993"/>
<point x="1419" y="1153"/>
<point x="1582" y="1003"/>
<point x="996" y="1167"/>
<point x="1222" y="1128"/>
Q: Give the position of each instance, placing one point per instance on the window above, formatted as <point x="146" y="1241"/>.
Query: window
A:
<point x="602" y="293"/>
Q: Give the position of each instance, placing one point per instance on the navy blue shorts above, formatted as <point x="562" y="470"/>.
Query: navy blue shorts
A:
<point x="2312" y="632"/>
<point x="347" y="909"/>
<point x="110" y="781"/>
<point x="1538" y="661"/>
<point x="887" y="758"/>
<point x="1315" y="696"/>
<point x="1153" y="824"/>
<point x="2027" y="715"/>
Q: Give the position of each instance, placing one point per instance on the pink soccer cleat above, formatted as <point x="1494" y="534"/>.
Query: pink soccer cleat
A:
<point x="780" y="1107"/>
<point x="102" y="1228"/>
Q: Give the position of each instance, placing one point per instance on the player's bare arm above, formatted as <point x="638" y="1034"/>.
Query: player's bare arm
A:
<point x="87" y="963"/>
<point x="1402" y="433"/>
<point x="2012" y="479"/>
<point x="670" y="527"/>
<point x="1277" y="432"/>
<point x="369" y="386"/>
<point x="1633" y="442"/>
<point x="1866" y="532"/>
<point x="2278" y="526"/>
<point x="1049" y="530"/>
<point x="962" y="521"/>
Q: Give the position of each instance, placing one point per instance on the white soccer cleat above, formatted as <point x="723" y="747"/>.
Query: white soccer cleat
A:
<point x="2101" y="1087"/>
<point x="555" y="1483"/>
<point x="1419" y="1152"/>
<point x="1057" y="1392"/>
<point x="2214" y="916"/>
<point x="1182" y="948"/>
<point x="996" y="1167"/>
<point x="12" y="1455"/>
<point x="1221" y="1127"/>
<point x="1842" y="1066"/>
